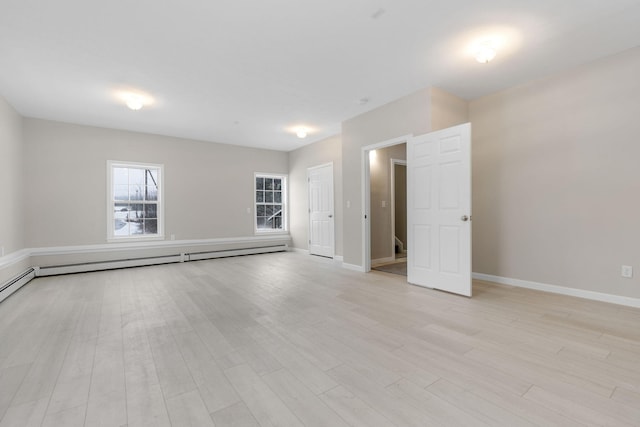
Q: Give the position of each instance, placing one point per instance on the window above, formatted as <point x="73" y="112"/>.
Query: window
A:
<point x="271" y="198"/>
<point x="134" y="201"/>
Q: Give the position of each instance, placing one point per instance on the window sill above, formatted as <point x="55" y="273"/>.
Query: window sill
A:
<point x="134" y="239"/>
<point x="272" y="233"/>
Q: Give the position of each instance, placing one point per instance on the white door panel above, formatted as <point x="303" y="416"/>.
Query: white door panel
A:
<point x="439" y="210"/>
<point x="321" y="220"/>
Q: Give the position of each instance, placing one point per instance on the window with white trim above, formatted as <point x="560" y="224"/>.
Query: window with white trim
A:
<point x="270" y="203"/>
<point x="135" y="208"/>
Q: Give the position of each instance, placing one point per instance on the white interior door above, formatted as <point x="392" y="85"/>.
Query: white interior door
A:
<point x="321" y="220"/>
<point x="439" y="210"/>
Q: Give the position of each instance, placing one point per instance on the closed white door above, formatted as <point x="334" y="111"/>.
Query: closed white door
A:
<point x="321" y="220"/>
<point x="439" y="210"/>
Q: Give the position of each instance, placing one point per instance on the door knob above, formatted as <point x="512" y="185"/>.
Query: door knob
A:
<point x="330" y="216"/>
<point x="464" y="218"/>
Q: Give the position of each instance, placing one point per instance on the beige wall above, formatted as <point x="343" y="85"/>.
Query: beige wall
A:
<point x="326" y="151"/>
<point x="447" y="110"/>
<point x="11" y="189"/>
<point x="208" y="186"/>
<point x="556" y="178"/>
<point x="380" y="185"/>
<point x="407" y="115"/>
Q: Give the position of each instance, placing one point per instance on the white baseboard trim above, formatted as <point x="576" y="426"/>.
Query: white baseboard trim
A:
<point x="299" y="250"/>
<point x="336" y="258"/>
<point x="14" y="257"/>
<point x="353" y="267"/>
<point x="580" y="293"/>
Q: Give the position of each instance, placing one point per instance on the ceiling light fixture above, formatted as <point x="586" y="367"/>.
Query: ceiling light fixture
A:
<point x="134" y="98"/>
<point x="485" y="52"/>
<point x="301" y="133"/>
<point x="134" y="102"/>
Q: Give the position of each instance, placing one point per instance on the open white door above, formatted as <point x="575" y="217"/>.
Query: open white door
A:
<point x="321" y="221"/>
<point x="439" y="210"/>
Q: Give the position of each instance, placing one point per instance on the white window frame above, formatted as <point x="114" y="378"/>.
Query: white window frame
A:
<point x="111" y="237"/>
<point x="285" y="203"/>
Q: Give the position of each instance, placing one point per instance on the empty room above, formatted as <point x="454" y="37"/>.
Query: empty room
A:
<point x="319" y="213"/>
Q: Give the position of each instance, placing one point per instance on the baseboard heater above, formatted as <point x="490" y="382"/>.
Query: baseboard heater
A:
<point x="164" y="259"/>
<point x="105" y="265"/>
<point x="16" y="283"/>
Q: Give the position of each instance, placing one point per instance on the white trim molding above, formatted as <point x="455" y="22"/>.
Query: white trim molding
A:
<point x="14" y="257"/>
<point x="299" y="250"/>
<point x="562" y="290"/>
<point x="353" y="267"/>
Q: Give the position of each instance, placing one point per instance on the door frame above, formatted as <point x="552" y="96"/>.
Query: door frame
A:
<point x="394" y="162"/>
<point x="333" y="195"/>
<point x="366" y="194"/>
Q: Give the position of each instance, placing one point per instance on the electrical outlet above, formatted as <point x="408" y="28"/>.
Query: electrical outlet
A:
<point x="627" y="271"/>
<point x="348" y="204"/>
<point x="384" y="203"/>
<point x="173" y="237"/>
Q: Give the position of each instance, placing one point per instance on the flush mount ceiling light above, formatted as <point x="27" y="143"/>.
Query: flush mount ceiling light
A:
<point x="133" y="98"/>
<point x="134" y="102"/>
<point x="301" y="130"/>
<point x="301" y="133"/>
<point x="483" y="44"/>
<point x="485" y="52"/>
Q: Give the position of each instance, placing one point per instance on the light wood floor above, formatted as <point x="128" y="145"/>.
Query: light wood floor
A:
<point x="293" y="340"/>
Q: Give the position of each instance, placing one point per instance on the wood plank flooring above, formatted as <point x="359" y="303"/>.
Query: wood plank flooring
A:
<point x="292" y="340"/>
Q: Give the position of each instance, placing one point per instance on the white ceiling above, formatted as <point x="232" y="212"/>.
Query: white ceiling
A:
<point x="246" y="72"/>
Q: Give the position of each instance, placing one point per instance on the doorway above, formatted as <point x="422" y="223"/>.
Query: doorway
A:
<point x="388" y="181"/>
<point x="321" y="212"/>
<point x="377" y="202"/>
<point x="398" y="209"/>
<point x="438" y="208"/>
